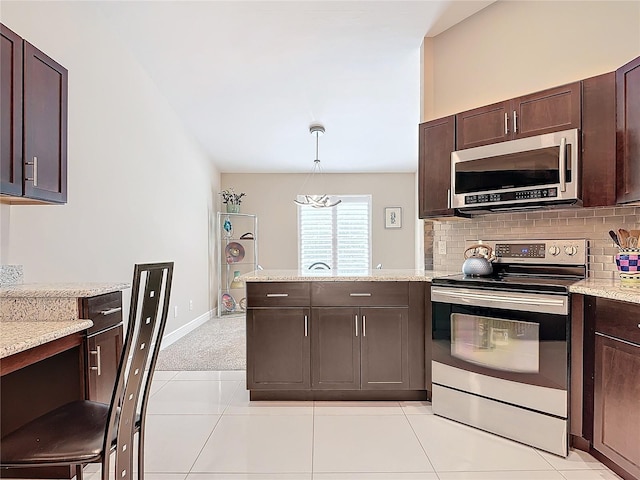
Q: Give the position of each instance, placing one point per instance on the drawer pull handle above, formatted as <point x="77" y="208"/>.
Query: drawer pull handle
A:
<point x="306" y="326"/>
<point x="359" y="294"/>
<point x="96" y="352"/>
<point x="364" y="325"/>
<point x="110" y="311"/>
<point x="356" y="325"/>
<point x="273" y="295"/>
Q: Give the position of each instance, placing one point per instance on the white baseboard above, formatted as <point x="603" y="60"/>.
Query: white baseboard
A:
<point x="177" y="334"/>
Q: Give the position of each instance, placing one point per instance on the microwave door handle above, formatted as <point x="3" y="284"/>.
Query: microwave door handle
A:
<point x="562" y="164"/>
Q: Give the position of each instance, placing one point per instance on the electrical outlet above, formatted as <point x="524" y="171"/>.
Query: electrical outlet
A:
<point x="442" y="247"/>
<point x="190" y="305"/>
<point x="175" y="311"/>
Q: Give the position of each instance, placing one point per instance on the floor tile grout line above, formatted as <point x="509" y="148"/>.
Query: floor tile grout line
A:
<point x="204" y="445"/>
<point x="313" y="435"/>
<point x="419" y="442"/>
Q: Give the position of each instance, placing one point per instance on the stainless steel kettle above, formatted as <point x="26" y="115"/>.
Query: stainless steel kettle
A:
<point x="478" y="260"/>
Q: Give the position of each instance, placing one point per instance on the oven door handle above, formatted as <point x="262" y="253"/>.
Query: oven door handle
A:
<point x="515" y="301"/>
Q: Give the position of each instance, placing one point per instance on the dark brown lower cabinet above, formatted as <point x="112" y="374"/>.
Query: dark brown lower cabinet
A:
<point x="360" y="348"/>
<point x="278" y="346"/>
<point x="336" y="340"/>
<point x="103" y="345"/>
<point x="335" y="348"/>
<point x="103" y="355"/>
<point x="611" y="383"/>
<point x="616" y="426"/>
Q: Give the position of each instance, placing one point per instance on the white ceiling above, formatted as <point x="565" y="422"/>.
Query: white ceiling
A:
<point x="248" y="78"/>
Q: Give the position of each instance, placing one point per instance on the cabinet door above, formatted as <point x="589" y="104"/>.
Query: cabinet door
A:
<point x="335" y="348"/>
<point x="278" y="348"/>
<point x="385" y="348"/>
<point x="628" y="132"/>
<point x="436" y="142"/>
<point x="484" y="125"/>
<point x="616" y="397"/>
<point x="45" y="127"/>
<point x="547" y="111"/>
<point x="103" y="355"/>
<point x="10" y="112"/>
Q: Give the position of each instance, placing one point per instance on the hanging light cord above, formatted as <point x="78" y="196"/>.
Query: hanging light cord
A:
<point x="316" y="201"/>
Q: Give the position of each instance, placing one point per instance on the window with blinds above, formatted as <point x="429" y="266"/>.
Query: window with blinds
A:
<point x="338" y="238"/>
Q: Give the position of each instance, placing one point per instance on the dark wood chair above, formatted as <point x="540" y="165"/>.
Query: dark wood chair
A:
<point x="84" y="431"/>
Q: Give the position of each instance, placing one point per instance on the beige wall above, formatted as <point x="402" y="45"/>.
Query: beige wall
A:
<point x="512" y="48"/>
<point x="270" y="196"/>
<point x="518" y="47"/>
<point x="140" y="188"/>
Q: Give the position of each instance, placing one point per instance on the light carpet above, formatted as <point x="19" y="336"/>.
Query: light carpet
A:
<point x="218" y="344"/>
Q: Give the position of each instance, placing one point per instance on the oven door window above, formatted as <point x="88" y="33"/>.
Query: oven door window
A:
<point x="501" y="344"/>
<point x="520" y="346"/>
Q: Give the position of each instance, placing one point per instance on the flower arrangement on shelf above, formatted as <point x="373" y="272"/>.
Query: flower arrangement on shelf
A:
<point x="231" y="197"/>
<point x="232" y="200"/>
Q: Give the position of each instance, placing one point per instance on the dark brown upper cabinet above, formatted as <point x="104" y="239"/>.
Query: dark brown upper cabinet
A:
<point x="534" y="114"/>
<point x="10" y="112"/>
<point x="628" y="132"/>
<point x="436" y="142"/>
<point x="34" y="115"/>
<point x="599" y="141"/>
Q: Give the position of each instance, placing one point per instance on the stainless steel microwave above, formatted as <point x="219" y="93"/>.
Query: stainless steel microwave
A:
<point x="527" y="173"/>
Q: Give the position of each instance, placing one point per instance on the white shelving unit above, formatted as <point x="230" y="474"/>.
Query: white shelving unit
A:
<point x="237" y="235"/>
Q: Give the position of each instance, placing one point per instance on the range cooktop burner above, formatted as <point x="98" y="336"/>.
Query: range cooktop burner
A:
<point x="524" y="283"/>
<point x="529" y="265"/>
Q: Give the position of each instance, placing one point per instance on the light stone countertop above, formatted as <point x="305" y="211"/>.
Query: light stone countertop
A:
<point x="16" y="337"/>
<point x="596" y="287"/>
<point x="76" y="290"/>
<point x="374" y="275"/>
<point x="604" y="288"/>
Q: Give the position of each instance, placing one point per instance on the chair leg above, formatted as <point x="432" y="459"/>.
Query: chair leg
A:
<point x="79" y="470"/>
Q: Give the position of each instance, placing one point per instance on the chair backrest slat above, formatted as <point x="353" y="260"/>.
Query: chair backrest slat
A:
<point x="147" y="319"/>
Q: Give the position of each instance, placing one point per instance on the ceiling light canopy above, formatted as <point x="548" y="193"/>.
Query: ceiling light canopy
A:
<point x="315" y="201"/>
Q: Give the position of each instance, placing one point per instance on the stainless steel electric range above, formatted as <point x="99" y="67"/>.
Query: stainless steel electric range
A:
<point x="500" y="359"/>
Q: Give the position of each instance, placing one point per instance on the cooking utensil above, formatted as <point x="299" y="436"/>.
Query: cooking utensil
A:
<point x="614" y="237"/>
<point x="632" y="242"/>
<point x="623" y="236"/>
<point x="476" y="263"/>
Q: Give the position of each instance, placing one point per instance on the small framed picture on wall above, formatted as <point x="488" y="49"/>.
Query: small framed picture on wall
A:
<point x="393" y="217"/>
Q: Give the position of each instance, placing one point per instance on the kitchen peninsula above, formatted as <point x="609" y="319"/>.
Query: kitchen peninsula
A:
<point x="331" y="335"/>
<point x="58" y="343"/>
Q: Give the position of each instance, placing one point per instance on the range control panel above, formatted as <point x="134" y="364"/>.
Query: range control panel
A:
<point x="560" y="252"/>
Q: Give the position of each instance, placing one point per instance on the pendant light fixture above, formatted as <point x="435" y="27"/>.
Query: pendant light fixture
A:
<point x="315" y="201"/>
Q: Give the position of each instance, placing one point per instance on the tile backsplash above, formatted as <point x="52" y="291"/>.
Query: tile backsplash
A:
<point x="590" y="223"/>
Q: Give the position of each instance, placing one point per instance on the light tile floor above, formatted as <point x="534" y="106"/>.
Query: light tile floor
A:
<point x="202" y="426"/>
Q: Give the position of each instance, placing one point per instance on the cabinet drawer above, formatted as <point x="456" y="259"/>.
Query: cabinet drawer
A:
<point x="103" y="310"/>
<point x="354" y="294"/>
<point x="618" y="319"/>
<point x="278" y="294"/>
